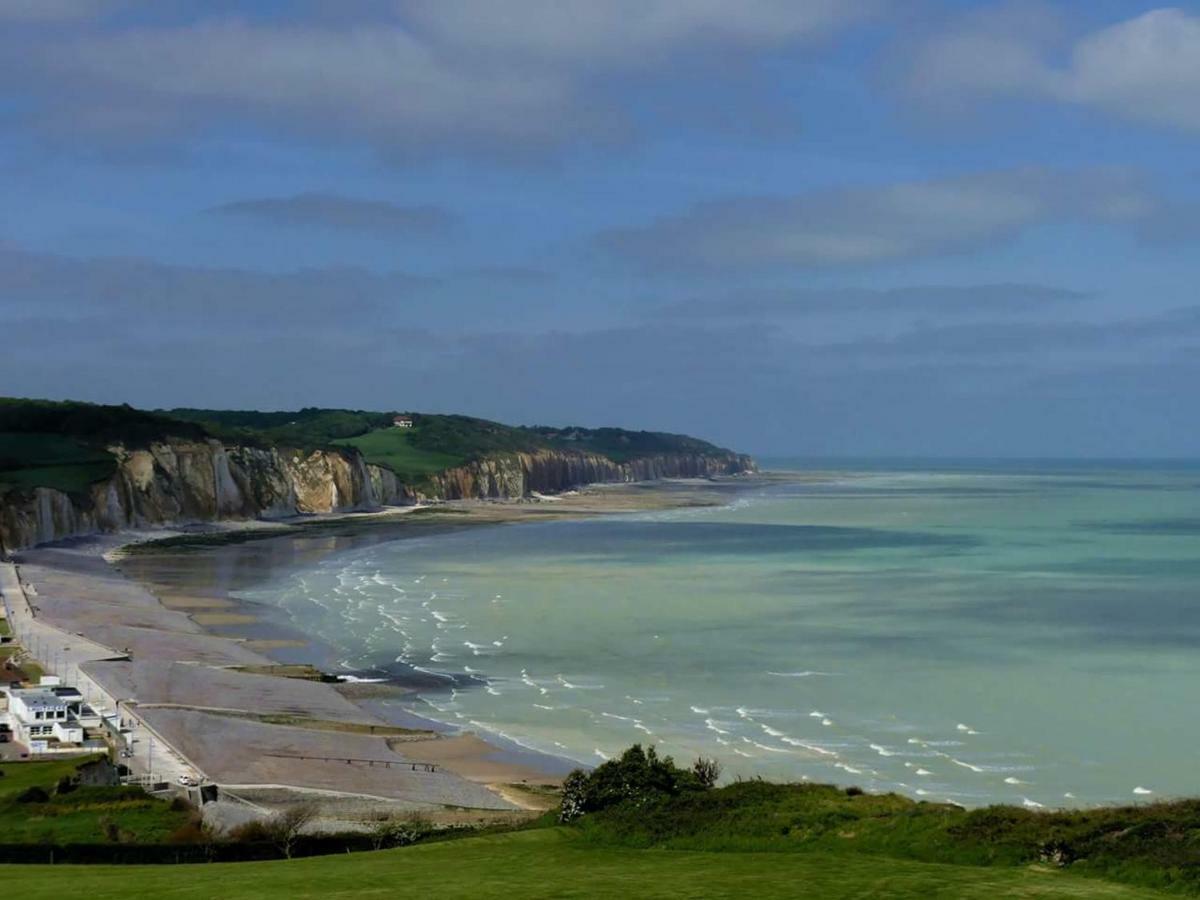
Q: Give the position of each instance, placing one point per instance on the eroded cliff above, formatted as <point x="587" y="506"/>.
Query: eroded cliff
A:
<point x="177" y="482"/>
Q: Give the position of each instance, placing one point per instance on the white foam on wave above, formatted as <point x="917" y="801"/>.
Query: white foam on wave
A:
<point x="881" y="750"/>
<point x="570" y="685"/>
<point x="699" y="710"/>
<point x="816" y="714"/>
<point x="609" y="715"/>
<point x="807" y="673"/>
<point x="923" y="772"/>
<point x="491" y="690"/>
<point x="544" y="706"/>
<point x="600" y="753"/>
<point x="1031" y="804"/>
<point x="827" y="721"/>
<point x="767" y="729"/>
<point x="814" y="748"/>
<point x="846" y="767"/>
<point x="1141" y="791"/>
<point x="711" y="725"/>
<point x="1013" y="780"/>
<point x="769" y="749"/>
<point x="966" y="765"/>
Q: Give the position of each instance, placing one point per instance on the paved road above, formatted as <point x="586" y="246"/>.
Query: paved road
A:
<point x="60" y="652"/>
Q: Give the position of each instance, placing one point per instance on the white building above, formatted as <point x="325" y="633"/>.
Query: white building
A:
<point x="49" y="718"/>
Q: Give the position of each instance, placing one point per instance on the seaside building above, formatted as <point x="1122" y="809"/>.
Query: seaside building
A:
<point x="49" y="718"/>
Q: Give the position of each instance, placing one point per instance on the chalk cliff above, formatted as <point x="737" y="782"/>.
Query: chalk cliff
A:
<point x="177" y="482"/>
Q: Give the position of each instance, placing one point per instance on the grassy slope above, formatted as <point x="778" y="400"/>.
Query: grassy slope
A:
<point x="554" y="863"/>
<point x="393" y="448"/>
<point x="76" y="817"/>
<point x="1153" y="845"/>
<point x="62" y="445"/>
<point x="51" y="460"/>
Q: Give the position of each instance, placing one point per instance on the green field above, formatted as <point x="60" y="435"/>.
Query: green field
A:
<point x="556" y="863"/>
<point x="36" y="459"/>
<point x="394" y="449"/>
<point x="84" y="815"/>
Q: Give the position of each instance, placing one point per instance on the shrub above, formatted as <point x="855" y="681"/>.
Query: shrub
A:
<point x="637" y="777"/>
<point x="707" y="771"/>
<point x="253" y="832"/>
<point x="65" y="785"/>
<point x="33" y="794"/>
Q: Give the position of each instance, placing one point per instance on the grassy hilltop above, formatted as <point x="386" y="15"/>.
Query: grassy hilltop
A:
<point x="63" y="444"/>
<point x="645" y="828"/>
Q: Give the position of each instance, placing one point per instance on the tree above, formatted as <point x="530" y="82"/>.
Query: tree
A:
<point x="707" y="772"/>
<point x="284" y="828"/>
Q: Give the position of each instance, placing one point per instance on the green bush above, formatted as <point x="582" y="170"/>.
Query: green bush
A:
<point x="636" y="778"/>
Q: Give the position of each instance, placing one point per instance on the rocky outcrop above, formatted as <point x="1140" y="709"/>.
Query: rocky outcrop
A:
<point x="178" y="482"/>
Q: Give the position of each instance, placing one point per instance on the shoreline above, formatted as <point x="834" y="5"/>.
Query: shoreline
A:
<point x="403" y="681"/>
<point x="205" y="631"/>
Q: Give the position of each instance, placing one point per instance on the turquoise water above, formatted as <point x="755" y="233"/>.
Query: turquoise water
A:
<point x="1022" y="634"/>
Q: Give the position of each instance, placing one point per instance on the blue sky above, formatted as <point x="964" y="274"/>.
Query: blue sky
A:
<point x="791" y="226"/>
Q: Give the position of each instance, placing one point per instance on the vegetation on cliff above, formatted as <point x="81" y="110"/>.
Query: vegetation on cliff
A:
<point x="63" y="445"/>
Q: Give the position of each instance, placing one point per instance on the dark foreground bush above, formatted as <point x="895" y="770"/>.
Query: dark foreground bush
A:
<point x="33" y="794"/>
<point x="637" y="777"/>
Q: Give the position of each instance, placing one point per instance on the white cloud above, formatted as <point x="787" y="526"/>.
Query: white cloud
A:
<point x="633" y="32"/>
<point x="1146" y="68"/>
<point x="470" y="76"/>
<point x="881" y="223"/>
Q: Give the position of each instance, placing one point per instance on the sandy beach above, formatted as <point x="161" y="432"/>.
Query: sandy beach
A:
<point x="201" y="674"/>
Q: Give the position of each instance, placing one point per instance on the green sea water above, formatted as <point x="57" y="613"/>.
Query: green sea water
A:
<point x="1024" y="634"/>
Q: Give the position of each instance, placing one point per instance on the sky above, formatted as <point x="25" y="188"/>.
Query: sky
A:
<point x="793" y="227"/>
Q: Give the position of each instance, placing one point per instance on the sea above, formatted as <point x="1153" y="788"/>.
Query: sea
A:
<point x="970" y="632"/>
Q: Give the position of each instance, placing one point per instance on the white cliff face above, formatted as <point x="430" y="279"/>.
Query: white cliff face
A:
<point x="178" y="482"/>
<point x="548" y="471"/>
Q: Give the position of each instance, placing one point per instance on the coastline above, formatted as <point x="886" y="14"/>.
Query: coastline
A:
<point x="163" y="624"/>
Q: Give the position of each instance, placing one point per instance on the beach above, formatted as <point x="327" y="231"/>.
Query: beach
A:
<point x="145" y="623"/>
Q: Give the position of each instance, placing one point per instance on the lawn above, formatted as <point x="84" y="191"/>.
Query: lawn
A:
<point x="394" y="449"/>
<point x="79" y="816"/>
<point x="554" y="863"/>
